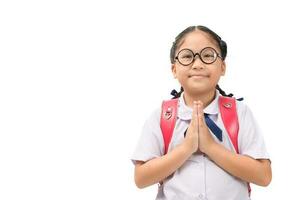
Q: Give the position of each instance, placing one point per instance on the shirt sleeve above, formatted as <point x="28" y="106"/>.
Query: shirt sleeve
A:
<point x="150" y="144"/>
<point x="250" y="139"/>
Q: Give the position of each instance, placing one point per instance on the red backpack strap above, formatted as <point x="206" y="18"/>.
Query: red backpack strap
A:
<point x="168" y="120"/>
<point x="229" y="116"/>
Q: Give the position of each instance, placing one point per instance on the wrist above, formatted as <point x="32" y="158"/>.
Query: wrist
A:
<point x="187" y="147"/>
<point x="209" y="147"/>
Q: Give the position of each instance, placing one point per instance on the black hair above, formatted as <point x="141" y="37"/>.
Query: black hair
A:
<point x="221" y="43"/>
<point x="176" y="94"/>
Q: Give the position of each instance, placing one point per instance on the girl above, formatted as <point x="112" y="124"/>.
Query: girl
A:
<point x="200" y="164"/>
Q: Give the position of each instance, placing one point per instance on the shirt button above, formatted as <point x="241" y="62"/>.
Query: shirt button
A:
<point x="202" y="197"/>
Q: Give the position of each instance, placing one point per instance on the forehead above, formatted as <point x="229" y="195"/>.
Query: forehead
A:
<point x="196" y="41"/>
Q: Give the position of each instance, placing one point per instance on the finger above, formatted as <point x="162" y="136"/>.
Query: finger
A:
<point x="194" y="114"/>
<point x="200" y="111"/>
<point x="200" y="108"/>
<point x="197" y="121"/>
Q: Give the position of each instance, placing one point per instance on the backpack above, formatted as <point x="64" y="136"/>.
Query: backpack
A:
<point x="227" y="106"/>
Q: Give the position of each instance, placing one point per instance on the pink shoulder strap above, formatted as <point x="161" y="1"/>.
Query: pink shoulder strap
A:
<point x="168" y="120"/>
<point x="229" y="116"/>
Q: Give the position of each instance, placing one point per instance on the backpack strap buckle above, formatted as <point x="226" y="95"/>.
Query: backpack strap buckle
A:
<point x="227" y="105"/>
<point x="168" y="113"/>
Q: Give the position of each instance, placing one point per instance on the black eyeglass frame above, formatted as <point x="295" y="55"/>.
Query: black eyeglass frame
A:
<point x="199" y="54"/>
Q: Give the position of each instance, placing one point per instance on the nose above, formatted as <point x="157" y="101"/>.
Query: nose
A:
<point x="198" y="62"/>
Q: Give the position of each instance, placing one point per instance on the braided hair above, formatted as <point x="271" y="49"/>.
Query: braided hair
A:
<point x="221" y="43"/>
<point x="176" y="94"/>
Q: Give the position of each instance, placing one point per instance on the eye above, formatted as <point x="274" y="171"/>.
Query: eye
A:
<point x="208" y="55"/>
<point x="187" y="56"/>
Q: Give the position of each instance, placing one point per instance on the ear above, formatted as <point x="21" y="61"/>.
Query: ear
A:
<point x="223" y="68"/>
<point x="173" y="68"/>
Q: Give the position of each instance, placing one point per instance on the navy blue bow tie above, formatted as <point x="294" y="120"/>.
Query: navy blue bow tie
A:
<point x="213" y="127"/>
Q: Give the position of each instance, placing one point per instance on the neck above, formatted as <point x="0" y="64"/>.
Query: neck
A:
<point x="205" y="98"/>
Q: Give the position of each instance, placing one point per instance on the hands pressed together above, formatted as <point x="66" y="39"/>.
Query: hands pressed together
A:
<point x="198" y="137"/>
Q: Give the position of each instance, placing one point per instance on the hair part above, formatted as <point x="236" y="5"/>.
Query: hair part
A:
<point x="221" y="43"/>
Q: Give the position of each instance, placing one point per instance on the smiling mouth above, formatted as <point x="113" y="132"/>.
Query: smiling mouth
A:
<point x="198" y="76"/>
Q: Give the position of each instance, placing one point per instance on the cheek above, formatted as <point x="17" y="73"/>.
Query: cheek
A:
<point x="182" y="78"/>
<point x="216" y="70"/>
<point x="215" y="76"/>
<point x="181" y="73"/>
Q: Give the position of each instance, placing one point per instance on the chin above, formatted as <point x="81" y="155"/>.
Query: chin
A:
<point x="199" y="88"/>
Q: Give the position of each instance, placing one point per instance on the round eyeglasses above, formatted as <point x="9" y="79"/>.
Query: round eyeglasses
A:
<point x="208" y="55"/>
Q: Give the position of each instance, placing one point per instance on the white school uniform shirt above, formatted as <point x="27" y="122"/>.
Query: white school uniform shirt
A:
<point x="199" y="177"/>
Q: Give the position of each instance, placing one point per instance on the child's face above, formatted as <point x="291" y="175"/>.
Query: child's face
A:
<point x="198" y="77"/>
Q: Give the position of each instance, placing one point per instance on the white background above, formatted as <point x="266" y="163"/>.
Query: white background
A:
<point x="79" y="78"/>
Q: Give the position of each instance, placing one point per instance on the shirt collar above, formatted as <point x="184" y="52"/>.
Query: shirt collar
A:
<point x="185" y="112"/>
